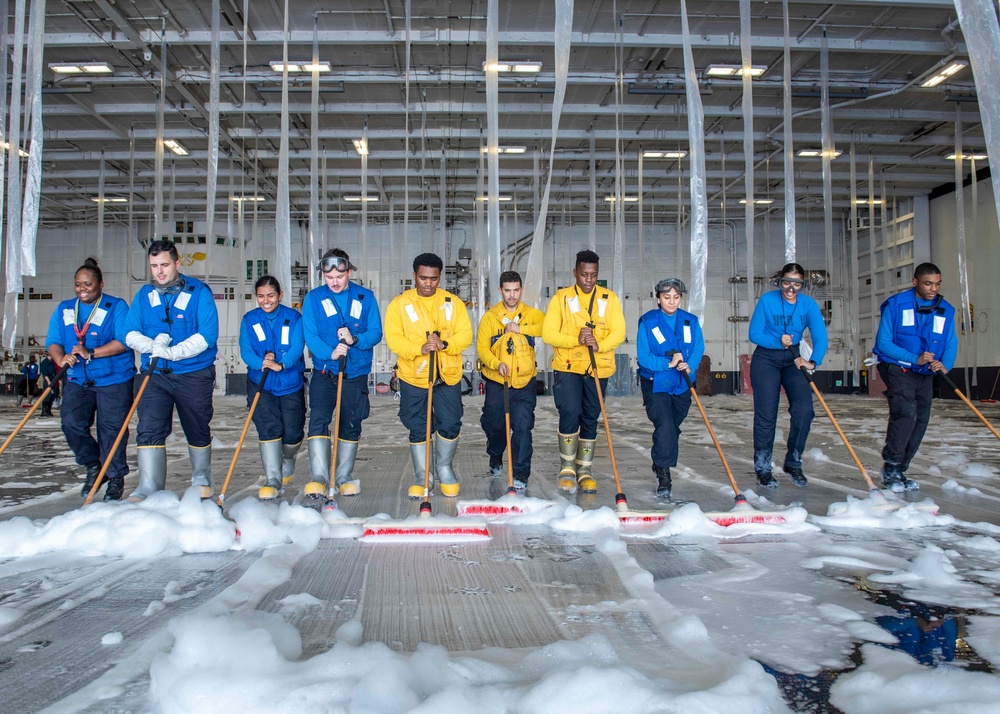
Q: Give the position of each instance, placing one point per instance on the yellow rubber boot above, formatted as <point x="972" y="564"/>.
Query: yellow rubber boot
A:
<point x="418" y="454"/>
<point x="444" y="452"/>
<point x="567" y="461"/>
<point x="584" y="461"/>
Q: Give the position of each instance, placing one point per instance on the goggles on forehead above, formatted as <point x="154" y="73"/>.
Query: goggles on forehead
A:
<point x="671" y="284"/>
<point x="335" y="262"/>
<point x="791" y="283"/>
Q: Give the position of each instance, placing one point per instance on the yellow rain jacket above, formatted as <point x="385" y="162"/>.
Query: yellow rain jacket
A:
<point x="408" y="320"/>
<point x="495" y="345"/>
<point x="569" y="311"/>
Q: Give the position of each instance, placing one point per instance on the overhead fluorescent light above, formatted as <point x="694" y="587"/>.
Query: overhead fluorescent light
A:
<point x="625" y="199"/>
<point x="953" y="68"/>
<point x="81" y="68"/>
<point x="361" y="146"/>
<point x="20" y="152"/>
<point x="109" y="199"/>
<point x="517" y="66"/>
<point x="303" y="66"/>
<point x="816" y="153"/>
<point x="969" y="157"/>
<point x="500" y="199"/>
<point x="735" y="70"/>
<point x="865" y="202"/>
<point x="664" y="154"/>
<point x="175" y="146"/>
<point x="357" y="198"/>
<point x="241" y="199"/>
<point x="759" y="201"/>
<point x="505" y="149"/>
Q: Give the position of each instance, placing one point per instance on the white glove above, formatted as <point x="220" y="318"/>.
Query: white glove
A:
<point x="871" y="361"/>
<point x="191" y="347"/>
<point x="163" y="339"/>
<point x="139" y="342"/>
<point x="161" y="350"/>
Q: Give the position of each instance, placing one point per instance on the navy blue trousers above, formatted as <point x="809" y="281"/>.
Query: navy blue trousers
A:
<point x="354" y="405"/>
<point x="909" y="396"/>
<point x="666" y="412"/>
<point x="576" y="399"/>
<point x="770" y="370"/>
<point x="522" y="421"/>
<point x="190" y="394"/>
<point x="281" y="417"/>
<point x="446" y="415"/>
<point x="110" y="405"/>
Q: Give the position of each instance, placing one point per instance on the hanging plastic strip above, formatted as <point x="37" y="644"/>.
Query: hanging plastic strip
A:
<point x="161" y="106"/>
<point x="363" y="229"/>
<point x="854" y="284"/>
<point x="789" y="145"/>
<point x="100" y="208"/>
<point x="492" y="163"/>
<point x="829" y="151"/>
<point x="978" y="19"/>
<point x="283" y="228"/>
<point x="406" y="143"/>
<point x="592" y="229"/>
<point x="699" y="198"/>
<point x="213" y="128"/>
<point x="563" y="41"/>
<point x="618" y="207"/>
<point x="4" y="52"/>
<point x="14" y="283"/>
<point x="963" y="256"/>
<point x="871" y="244"/>
<point x="314" y="252"/>
<point x="974" y="230"/>
<point x="748" y="151"/>
<point x="482" y="297"/>
<point x="33" y="119"/>
<point x="642" y="238"/>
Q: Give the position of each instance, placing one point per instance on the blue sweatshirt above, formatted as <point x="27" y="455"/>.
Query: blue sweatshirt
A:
<point x="106" y="320"/>
<point x="280" y="333"/>
<point x="904" y="332"/>
<point x="774" y="316"/>
<point x="324" y="312"/>
<point x="658" y="337"/>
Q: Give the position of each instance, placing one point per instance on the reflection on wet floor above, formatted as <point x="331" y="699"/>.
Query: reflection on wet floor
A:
<point x="933" y="635"/>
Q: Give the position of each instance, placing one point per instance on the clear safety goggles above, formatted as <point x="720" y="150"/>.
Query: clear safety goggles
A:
<point x="335" y="262"/>
<point x="795" y="284"/>
<point x="671" y="284"/>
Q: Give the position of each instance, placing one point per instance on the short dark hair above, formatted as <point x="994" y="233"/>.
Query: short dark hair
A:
<point x="792" y="268"/>
<point x="90" y="264"/>
<point x="427" y="260"/>
<point x="265" y="281"/>
<point x="163" y="246"/>
<point x="587" y="256"/>
<point x="926" y="269"/>
<point x="510" y="276"/>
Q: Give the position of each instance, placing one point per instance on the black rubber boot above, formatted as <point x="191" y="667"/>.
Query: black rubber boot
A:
<point x="663" y="484"/>
<point x="795" y="473"/>
<point x="892" y="478"/>
<point x="496" y="466"/>
<point x="115" y="489"/>
<point x="767" y="480"/>
<point x="92" y="471"/>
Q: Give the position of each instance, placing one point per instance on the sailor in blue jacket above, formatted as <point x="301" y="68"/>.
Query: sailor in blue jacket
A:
<point x="271" y="338"/>
<point x="83" y="338"/>
<point x="174" y="319"/>
<point x="668" y="341"/>
<point x="916" y="338"/>
<point x="342" y="326"/>
<point x="777" y="325"/>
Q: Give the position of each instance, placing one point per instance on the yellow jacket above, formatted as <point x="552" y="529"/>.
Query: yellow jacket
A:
<point x="408" y="320"/>
<point x="493" y="339"/>
<point x="569" y="311"/>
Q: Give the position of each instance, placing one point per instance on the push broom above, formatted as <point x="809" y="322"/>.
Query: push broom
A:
<point x="243" y="436"/>
<point x="34" y="407"/>
<point x="874" y="493"/>
<point x="425" y="527"/>
<point x="965" y="399"/>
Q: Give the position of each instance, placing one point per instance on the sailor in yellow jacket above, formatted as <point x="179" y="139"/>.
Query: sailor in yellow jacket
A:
<point x="581" y="319"/>
<point x="428" y="328"/>
<point x="506" y="347"/>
